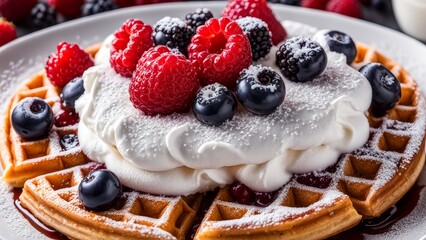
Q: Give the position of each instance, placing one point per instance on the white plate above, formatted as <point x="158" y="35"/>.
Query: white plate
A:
<point x="28" y="54"/>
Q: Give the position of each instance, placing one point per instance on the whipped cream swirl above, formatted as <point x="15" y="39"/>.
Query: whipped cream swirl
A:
<point x="177" y="155"/>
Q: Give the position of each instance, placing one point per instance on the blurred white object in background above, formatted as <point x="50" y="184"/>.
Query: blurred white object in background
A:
<point x="411" y="17"/>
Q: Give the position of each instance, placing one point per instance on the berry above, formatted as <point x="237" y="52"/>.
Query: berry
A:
<point x="42" y="15"/>
<point x="318" y="180"/>
<point x="349" y="8"/>
<point x="341" y="43"/>
<point x="65" y="117"/>
<point x="259" y="9"/>
<point x="131" y="41"/>
<point x="260" y="90"/>
<point x="100" y="190"/>
<point x="381" y="5"/>
<point x="286" y="2"/>
<point x="198" y="18"/>
<point x="386" y="87"/>
<point x="68" y="8"/>
<point x="68" y="63"/>
<point x="263" y="199"/>
<point x="214" y="104"/>
<point x="258" y="34"/>
<point x="241" y="193"/>
<point x="173" y="33"/>
<point x="16" y="10"/>
<point x="32" y="118"/>
<point x="315" y="4"/>
<point x="301" y="59"/>
<point x="69" y="141"/>
<point x="91" y="7"/>
<point x="220" y="51"/>
<point x="7" y="32"/>
<point x="72" y="91"/>
<point x="125" y="3"/>
<point x="164" y="82"/>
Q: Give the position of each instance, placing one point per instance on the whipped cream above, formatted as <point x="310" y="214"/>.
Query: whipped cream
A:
<point x="177" y="155"/>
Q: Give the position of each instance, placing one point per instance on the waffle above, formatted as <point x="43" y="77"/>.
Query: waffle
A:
<point x="362" y="184"/>
<point x="22" y="160"/>
<point x="53" y="199"/>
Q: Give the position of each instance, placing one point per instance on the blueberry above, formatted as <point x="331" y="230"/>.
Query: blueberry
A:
<point x="32" y="118"/>
<point x="100" y="190"/>
<point x="69" y="141"/>
<point x="386" y="88"/>
<point x="260" y="90"/>
<point x="214" y="104"/>
<point x="72" y="91"/>
<point x="301" y="59"/>
<point x="341" y="43"/>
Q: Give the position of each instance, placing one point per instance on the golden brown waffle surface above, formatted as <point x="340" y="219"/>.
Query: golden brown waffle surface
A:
<point x="363" y="183"/>
<point x="22" y="160"/>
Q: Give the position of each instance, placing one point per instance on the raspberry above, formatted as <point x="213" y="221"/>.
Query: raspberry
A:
<point x="132" y="39"/>
<point x="42" y="15"/>
<point x="258" y="34"/>
<point x="173" y="33"/>
<point x="349" y="8"/>
<point x="68" y="8"/>
<point x="220" y="51"/>
<point x="315" y="4"/>
<point x="259" y="9"/>
<point x="7" y="32"/>
<point x="164" y="82"/>
<point x="16" y="10"/>
<point x="65" y="117"/>
<point x="68" y="63"/>
<point x="198" y="18"/>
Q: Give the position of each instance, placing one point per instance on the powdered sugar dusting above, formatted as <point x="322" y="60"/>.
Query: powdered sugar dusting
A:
<point x="167" y="23"/>
<point x="251" y="22"/>
<point x="301" y="47"/>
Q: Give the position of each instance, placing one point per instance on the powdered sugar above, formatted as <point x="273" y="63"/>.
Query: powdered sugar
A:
<point x="167" y="23"/>
<point x="302" y="47"/>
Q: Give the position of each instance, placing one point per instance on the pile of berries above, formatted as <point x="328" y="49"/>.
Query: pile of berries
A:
<point x="201" y="62"/>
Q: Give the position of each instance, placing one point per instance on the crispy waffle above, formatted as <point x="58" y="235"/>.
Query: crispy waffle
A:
<point x="22" y="160"/>
<point x="53" y="199"/>
<point x="370" y="179"/>
<point x="316" y="205"/>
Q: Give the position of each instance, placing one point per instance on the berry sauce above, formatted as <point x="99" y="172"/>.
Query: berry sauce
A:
<point x="384" y="223"/>
<point x="47" y="231"/>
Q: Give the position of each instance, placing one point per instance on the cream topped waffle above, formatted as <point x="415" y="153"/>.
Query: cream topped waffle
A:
<point x="326" y="187"/>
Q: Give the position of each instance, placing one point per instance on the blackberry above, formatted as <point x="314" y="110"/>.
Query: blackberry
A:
<point x="173" y="33"/>
<point x="198" y="18"/>
<point x="42" y="15"/>
<point x="91" y="7"/>
<point x="301" y="59"/>
<point x="286" y="2"/>
<point x="258" y="34"/>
